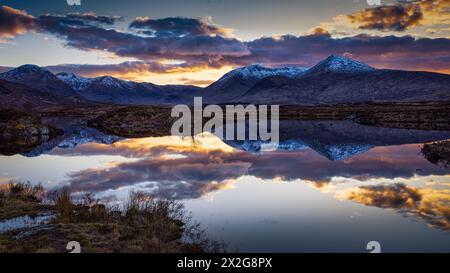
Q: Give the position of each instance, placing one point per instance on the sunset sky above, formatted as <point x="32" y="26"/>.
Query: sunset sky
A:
<point x="196" y="42"/>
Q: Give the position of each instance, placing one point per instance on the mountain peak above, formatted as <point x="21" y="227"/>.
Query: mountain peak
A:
<point x="335" y="63"/>
<point x="112" y="82"/>
<point x="28" y="68"/>
<point x="27" y="71"/>
<point x="76" y="82"/>
<point x="39" y="78"/>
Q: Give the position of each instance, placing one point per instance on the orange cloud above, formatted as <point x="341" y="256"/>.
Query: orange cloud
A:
<point x="189" y="81"/>
<point x="14" y="22"/>
<point x="401" y="17"/>
<point x="392" y="18"/>
<point x="429" y="204"/>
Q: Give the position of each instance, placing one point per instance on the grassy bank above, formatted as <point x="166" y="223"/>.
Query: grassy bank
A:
<point x="21" y="132"/>
<point x="144" y="224"/>
<point x="142" y="121"/>
<point x="421" y="116"/>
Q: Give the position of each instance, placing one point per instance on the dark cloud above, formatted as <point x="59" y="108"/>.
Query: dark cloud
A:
<point x="178" y="27"/>
<point x="308" y="50"/>
<point x="387" y="18"/>
<point x="92" y="17"/>
<point x="192" y="48"/>
<point x="14" y="22"/>
<point x="88" y="70"/>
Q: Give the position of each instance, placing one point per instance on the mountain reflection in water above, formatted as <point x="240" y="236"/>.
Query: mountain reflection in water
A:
<point x="353" y="165"/>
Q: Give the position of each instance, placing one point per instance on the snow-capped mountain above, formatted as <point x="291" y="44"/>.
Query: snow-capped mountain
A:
<point x="114" y="83"/>
<point x="38" y="78"/>
<point x="337" y="80"/>
<point x="76" y="82"/>
<point x="19" y="73"/>
<point x="235" y="83"/>
<point x="79" y="83"/>
<point x="334" y="80"/>
<point x="258" y="72"/>
<point x="339" y="65"/>
<point x="70" y="88"/>
<point x="107" y="89"/>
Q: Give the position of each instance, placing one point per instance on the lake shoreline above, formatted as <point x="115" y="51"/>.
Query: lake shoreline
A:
<point x="145" y="224"/>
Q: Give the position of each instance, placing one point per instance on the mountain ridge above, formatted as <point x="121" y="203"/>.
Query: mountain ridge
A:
<point x="39" y="78"/>
<point x="334" y="80"/>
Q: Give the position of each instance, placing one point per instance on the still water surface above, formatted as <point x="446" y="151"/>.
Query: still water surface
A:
<point x="329" y="187"/>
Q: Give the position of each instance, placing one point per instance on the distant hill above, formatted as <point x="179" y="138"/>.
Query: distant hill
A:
<point x="108" y="89"/>
<point x="21" y="97"/>
<point x="39" y="78"/>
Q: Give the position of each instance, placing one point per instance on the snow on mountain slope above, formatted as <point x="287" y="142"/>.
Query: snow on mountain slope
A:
<point x="113" y="90"/>
<point x="38" y="78"/>
<point x="258" y="72"/>
<point x="339" y="64"/>
<point x="237" y="82"/>
<point x="76" y="82"/>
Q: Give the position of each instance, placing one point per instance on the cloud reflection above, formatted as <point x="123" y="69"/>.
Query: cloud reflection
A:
<point x="184" y="169"/>
<point x="431" y="205"/>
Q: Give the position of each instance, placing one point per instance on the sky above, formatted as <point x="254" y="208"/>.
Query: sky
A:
<point x="197" y="41"/>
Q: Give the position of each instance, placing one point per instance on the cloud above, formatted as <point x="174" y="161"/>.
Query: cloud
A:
<point x="383" y="52"/>
<point x="402" y="16"/>
<point x="191" y="43"/>
<point x="436" y="12"/>
<point x="122" y="69"/>
<point x="167" y="161"/>
<point x="198" y="44"/>
<point x="91" y="17"/>
<point x="178" y="27"/>
<point x="386" y="196"/>
<point x="392" y="18"/>
<point x="189" y="81"/>
<point x="426" y="203"/>
<point x="320" y="30"/>
<point x="14" y="22"/>
<point x="177" y="178"/>
<point x="59" y="24"/>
